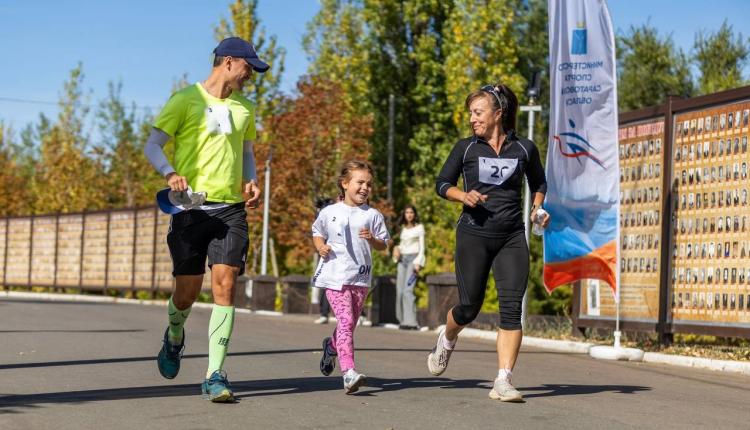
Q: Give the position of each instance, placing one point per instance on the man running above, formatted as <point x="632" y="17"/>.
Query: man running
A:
<point x="213" y="126"/>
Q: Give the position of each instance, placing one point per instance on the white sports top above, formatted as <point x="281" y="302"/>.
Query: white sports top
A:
<point x="350" y="259"/>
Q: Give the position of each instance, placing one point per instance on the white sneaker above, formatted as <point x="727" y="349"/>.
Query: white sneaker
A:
<point x="353" y="380"/>
<point x="505" y="392"/>
<point x="363" y="321"/>
<point x="321" y="320"/>
<point x="438" y="359"/>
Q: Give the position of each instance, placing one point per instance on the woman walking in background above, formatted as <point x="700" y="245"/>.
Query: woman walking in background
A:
<point x="409" y="255"/>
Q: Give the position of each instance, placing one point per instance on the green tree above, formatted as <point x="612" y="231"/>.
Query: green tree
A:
<point x="720" y="58"/>
<point x="428" y="129"/>
<point x="533" y="56"/>
<point x="333" y="43"/>
<point x="243" y="22"/>
<point x="323" y="133"/>
<point x="379" y="48"/>
<point x="67" y="178"/>
<point x="14" y="200"/>
<point x="650" y="68"/>
<point x="130" y="179"/>
<point x="434" y="131"/>
<point x="26" y="151"/>
<point x="482" y="49"/>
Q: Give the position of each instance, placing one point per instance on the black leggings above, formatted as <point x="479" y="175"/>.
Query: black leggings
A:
<point x="508" y="257"/>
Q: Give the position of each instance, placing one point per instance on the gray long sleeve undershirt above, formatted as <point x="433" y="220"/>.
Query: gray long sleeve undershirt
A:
<point x="248" y="161"/>
<point x="154" y="151"/>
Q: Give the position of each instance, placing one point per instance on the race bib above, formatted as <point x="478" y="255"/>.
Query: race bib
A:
<point x="495" y="171"/>
<point x="218" y="120"/>
<point x="339" y="230"/>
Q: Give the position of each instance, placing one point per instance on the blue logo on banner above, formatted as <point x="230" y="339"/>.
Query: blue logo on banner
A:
<point x="577" y="145"/>
<point x="578" y="47"/>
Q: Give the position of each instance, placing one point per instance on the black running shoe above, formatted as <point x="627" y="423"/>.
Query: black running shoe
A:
<point x="328" y="360"/>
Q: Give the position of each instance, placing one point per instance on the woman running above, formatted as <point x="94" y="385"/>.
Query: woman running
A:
<point x="490" y="231"/>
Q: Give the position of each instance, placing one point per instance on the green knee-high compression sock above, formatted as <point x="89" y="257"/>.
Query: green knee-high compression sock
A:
<point x="219" y="332"/>
<point x="176" y="322"/>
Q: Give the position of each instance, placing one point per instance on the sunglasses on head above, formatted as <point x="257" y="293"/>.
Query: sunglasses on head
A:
<point x="492" y="90"/>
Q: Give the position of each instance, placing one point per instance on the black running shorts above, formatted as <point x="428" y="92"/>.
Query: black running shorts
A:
<point x="219" y="234"/>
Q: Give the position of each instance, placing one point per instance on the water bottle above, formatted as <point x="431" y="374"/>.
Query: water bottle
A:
<point x="197" y="198"/>
<point x="188" y="199"/>
<point x="536" y="226"/>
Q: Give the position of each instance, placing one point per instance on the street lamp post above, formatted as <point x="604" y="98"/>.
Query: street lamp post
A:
<point x="266" y="203"/>
<point x="532" y="92"/>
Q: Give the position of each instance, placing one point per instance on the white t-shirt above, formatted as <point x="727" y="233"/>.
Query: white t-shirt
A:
<point x="412" y="242"/>
<point x="350" y="259"/>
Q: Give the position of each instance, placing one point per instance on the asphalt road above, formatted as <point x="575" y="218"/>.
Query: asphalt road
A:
<point x="92" y="366"/>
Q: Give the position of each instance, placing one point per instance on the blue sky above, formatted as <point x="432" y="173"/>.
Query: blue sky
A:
<point x="148" y="45"/>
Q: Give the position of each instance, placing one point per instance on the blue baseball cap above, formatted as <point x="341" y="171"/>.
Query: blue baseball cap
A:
<point x="240" y="48"/>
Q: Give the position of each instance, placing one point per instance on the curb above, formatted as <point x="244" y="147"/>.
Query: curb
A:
<point x="52" y="297"/>
<point x="742" y="367"/>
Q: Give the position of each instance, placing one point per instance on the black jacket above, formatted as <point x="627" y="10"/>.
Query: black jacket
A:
<point x="499" y="176"/>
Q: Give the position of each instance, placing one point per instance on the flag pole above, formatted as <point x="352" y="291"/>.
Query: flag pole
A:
<point x="617" y="312"/>
<point x="618" y="285"/>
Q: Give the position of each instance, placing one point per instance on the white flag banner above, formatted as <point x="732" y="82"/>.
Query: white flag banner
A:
<point x="582" y="160"/>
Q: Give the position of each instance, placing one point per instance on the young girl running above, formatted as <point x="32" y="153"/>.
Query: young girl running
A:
<point x="343" y="234"/>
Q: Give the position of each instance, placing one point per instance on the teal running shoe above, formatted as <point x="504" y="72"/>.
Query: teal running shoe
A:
<point x="169" y="357"/>
<point x="216" y="388"/>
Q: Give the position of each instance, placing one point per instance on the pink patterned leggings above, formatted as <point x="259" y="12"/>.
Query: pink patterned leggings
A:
<point x="347" y="305"/>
